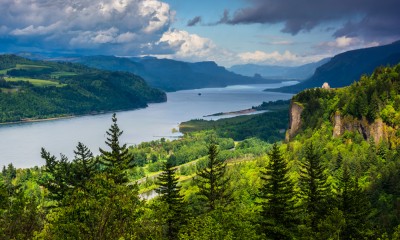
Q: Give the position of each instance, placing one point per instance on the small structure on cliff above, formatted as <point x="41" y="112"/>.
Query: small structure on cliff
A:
<point x="326" y="86"/>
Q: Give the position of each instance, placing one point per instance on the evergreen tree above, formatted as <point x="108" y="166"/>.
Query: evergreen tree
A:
<point x="116" y="160"/>
<point x="103" y="210"/>
<point x="211" y="180"/>
<point x="354" y="205"/>
<point x="170" y="196"/>
<point x="84" y="164"/>
<point x="59" y="179"/>
<point x="278" y="211"/>
<point x="314" y="189"/>
<point x="374" y="107"/>
<point x="339" y="161"/>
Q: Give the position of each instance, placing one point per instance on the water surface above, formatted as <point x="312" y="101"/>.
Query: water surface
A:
<point x="21" y="143"/>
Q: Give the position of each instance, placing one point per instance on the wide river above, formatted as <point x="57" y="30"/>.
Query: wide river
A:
<point x="20" y="143"/>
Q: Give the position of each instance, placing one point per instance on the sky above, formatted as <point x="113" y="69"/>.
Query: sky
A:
<point x="272" y="32"/>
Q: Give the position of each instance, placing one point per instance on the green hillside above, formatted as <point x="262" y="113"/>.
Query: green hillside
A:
<point x="39" y="89"/>
<point x="336" y="178"/>
<point x="345" y="68"/>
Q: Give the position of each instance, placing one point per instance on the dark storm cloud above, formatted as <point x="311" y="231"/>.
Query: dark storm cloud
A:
<point x="365" y="18"/>
<point x="194" y="21"/>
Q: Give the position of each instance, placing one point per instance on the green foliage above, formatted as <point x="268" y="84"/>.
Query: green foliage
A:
<point x="348" y="187"/>
<point x="61" y="176"/>
<point x="171" y="197"/>
<point x="212" y="180"/>
<point x="220" y="224"/>
<point x="59" y="180"/>
<point x="20" y="215"/>
<point x="278" y="206"/>
<point x="37" y="89"/>
<point x="372" y="97"/>
<point x="84" y="166"/>
<point x="354" y="205"/>
<point x="314" y="188"/>
<point x="118" y="159"/>
<point x="268" y="126"/>
<point x="102" y="210"/>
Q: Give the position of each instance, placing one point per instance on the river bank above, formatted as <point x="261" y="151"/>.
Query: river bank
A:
<point x="233" y="113"/>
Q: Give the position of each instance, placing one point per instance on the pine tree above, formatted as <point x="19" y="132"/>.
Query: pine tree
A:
<point x="354" y="205"/>
<point x="278" y="211"/>
<point x="84" y="165"/>
<point x="59" y="181"/>
<point x="170" y="196"/>
<point x="339" y="161"/>
<point x="116" y="160"/>
<point x="211" y="180"/>
<point x="314" y="189"/>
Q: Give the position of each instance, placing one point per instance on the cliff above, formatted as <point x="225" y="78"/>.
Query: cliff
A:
<point x="377" y="130"/>
<point x="295" y="111"/>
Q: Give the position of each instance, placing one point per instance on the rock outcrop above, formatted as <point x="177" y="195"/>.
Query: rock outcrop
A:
<point x="377" y="130"/>
<point x="295" y="119"/>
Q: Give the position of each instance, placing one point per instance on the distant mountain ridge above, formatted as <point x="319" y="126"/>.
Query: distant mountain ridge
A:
<point x="279" y="72"/>
<point x="172" y="75"/>
<point x="345" y="68"/>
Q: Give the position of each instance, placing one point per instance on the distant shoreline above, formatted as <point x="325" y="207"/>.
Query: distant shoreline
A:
<point x="30" y="120"/>
<point x="33" y="120"/>
<point x="240" y="112"/>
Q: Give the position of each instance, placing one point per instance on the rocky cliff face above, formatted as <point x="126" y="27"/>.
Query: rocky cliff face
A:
<point x="377" y="130"/>
<point x="295" y="119"/>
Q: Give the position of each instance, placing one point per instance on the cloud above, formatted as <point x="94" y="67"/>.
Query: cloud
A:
<point x="369" y="19"/>
<point x="280" y="43"/>
<point x="187" y="46"/>
<point x="260" y="56"/>
<point x="182" y="45"/>
<point x="194" y="21"/>
<point x="76" y="25"/>
<point x="277" y="58"/>
<point x="342" y="44"/>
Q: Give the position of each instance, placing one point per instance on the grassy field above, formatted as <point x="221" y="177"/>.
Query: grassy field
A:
<point x="30" y="67"/>
<point x="62" y="74"/>
<point x="35" y="82"/>
<point x="23" y="66"/>
<point x="8" y="90"/>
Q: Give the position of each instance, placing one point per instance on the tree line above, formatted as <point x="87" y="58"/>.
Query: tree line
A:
<point x="93" y="198"/>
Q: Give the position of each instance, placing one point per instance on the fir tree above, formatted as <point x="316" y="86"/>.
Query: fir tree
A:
<point x="84" y="164"/>
<point x="278" y="211"/>
<point x="354" y="205"/>
<point x="116" y="160"/>
<point x="170" y="195"/>
<point x="59" y="181"/>
<point x="314" y="189"/>
<point x="339" y="161"/>
<point x="211" y="180"/>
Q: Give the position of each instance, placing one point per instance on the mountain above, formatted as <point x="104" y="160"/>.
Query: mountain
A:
<point x="43" y="89"/>
<point x="172" y="75"/>
<point x="345" y="68"/>
<point x="279" y="72"/>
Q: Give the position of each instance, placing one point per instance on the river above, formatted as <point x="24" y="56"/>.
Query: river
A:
<point x="20" y="143"/>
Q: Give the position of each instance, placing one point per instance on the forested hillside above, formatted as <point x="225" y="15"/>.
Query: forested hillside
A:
<point x="337" y="178"/>
<point x="39" y="89"/>
<point x="345" y="68"/>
